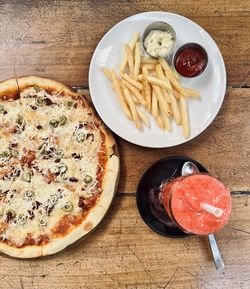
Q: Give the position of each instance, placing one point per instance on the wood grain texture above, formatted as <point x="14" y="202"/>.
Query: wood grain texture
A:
<point x="124" y="253"/>
<point x="56" y="38"/>
<point x="223" y="147"/>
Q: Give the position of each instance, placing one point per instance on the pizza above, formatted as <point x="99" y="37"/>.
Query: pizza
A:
<point x="58" y="167"/>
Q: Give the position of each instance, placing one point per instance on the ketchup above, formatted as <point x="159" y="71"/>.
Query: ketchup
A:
<point x="190" y="60"/>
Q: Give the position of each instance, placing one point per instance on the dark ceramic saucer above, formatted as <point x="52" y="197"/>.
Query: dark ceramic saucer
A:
<point x="151" y="211"/>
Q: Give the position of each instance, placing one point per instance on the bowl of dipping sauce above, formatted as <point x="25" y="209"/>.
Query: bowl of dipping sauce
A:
<point x="190" y="60"/>
<point x="159" y="39"/>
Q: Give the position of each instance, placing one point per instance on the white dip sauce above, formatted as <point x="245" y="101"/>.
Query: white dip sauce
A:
<point x="159" y="43"/>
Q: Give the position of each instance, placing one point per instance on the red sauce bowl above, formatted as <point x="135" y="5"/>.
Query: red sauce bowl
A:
<point x="190" y="60"/>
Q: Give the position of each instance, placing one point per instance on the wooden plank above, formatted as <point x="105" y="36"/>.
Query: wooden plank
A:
<point x="223" y="147"/>
<point x="124" y="253"/>
<point x="56" y="39"/>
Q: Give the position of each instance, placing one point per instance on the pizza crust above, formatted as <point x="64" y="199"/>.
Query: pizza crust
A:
<point x="45" y="83"/>
<point x="25" y="252"/>
<point x="49" y="85"/>
<point x="9" y="89"/>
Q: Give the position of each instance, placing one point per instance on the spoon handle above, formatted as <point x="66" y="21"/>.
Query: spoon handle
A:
<point x="219" y="264"/>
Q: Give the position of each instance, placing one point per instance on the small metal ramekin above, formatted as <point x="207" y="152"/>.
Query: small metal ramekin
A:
<point x="191" y="45"/>
<point x="162" y="26"/>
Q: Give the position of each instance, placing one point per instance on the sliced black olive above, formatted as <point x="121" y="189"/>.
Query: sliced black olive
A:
<point x="10" y="214"/>
<point x="54" y="123"/>
<point x="73" y="180"/>
<point x="40" y="101"/>
<point x="76" y="156"/>
<point x="88" y="179"/>
<point x="33" y="107"/>
<point x="29" y="195"/>
<point x="36" y="205"/>
<point x="48" y="101"/>
<point x="90" y="136"/>
<point x="31" y="214"/>
<point x="2" y="193"/>
<point x="68" y="207"/>
<point x="49" y="209"/>
<point x="14" y="145"/>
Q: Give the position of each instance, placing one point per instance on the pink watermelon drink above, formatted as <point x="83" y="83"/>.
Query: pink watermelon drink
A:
<point x="186" y="200"/>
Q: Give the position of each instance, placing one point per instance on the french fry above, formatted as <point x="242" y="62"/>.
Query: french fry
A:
<point x="189" y="92"/>
<point x="184" y="115"/>
<point x="176" y="75"/>
<point x="148" y="60"/>
<point x="132" y="107"/>
<point x="163" y="105"/>
<point x="156" y="81"/>
<point x="160" y="122"/>
<point x="118" y="90"/>
<point x="131" y="44"/>
<point x="143" y="117"/>
<point x="174" y="105"/>
<point x="135" y="91"/>
<point x="154" y="106"/>
<point x="146" y="88"/>
<point x="168" y="100"/>
<point x="137" y="59"/>
<point x="130" y="60"/>
<point x="176" y="94"/>
<point x="175" y="108"/>
<point x="166" y="121"/>
<point x="107" y="73"/>
<point x="170" y="75"/>
<point x="135" y="100"/>
<point x="148" y="66"/>
<point x="161" y="100"/>
<point x="160" y="74"/>
<point x="135" y="83"/>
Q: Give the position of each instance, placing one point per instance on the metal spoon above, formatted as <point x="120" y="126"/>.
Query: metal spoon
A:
<point x="187" y="169"/>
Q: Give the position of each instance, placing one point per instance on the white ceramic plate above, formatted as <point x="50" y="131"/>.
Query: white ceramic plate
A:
<point x="211" y="83"/>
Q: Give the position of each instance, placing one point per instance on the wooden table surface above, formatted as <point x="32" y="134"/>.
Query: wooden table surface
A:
<point x="56" y="39"/>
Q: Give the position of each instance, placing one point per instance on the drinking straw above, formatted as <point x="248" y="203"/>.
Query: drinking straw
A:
<point x="217" y="212"/>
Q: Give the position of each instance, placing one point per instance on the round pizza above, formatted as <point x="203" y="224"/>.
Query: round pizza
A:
<point x="58" y="167"/>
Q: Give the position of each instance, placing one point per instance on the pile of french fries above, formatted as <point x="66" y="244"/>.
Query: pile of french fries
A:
<point x="150" y="84"/>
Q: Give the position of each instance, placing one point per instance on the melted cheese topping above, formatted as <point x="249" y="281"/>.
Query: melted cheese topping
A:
<point x="49" y="149"/>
